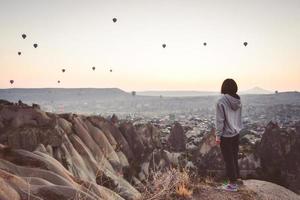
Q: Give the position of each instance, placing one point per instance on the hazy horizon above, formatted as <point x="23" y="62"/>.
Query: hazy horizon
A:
<point x="259" y="89"/>
<point x="77" y="35"/>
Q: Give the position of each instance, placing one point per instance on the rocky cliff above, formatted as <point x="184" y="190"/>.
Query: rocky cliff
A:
<point x="63" y="156"/>
<point x="67" y="156"/>
<point x="280" y="156"/>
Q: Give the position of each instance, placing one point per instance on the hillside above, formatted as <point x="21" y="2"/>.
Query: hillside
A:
<point x="60" y="94"/>
<point x="67" y="156"/>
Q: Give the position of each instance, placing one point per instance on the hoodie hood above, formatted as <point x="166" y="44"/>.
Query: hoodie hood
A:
<point x="233" y="102"/>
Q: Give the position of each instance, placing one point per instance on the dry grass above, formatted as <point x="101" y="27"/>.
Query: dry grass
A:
<point x="208" y="180"/>
<point x="183" y="191"/>
<point x="170" y="184"/>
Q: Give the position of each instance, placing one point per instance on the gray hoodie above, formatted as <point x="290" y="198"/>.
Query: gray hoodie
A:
<point x="228" y="116"/>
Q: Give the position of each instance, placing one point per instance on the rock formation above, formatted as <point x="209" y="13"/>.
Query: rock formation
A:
<point x="209" y="160"/>
<point x="251" y="190"/>
<point x="68" y="156"/>
<point x="177" y="138"/>
<point x="60" y="156"/>
<point x="280" y="156"/>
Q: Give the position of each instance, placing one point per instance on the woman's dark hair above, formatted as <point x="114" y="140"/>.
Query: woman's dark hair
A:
<point x="230" y="87"/>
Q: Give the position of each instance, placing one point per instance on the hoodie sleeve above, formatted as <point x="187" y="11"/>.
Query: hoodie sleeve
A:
<point x="220" y="118"/>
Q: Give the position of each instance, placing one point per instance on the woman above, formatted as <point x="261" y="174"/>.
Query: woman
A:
<point x="228" y="126"/>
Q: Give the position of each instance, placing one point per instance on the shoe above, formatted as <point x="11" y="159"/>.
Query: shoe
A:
<point x="229" y="187"/>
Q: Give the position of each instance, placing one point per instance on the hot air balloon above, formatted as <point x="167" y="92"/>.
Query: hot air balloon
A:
<point x="63" y="70"/>
<point x="58" y="81"/>
<point x="19" y="53"/>
<point x="164" y="45"/>
<point x="35" y="45"/>
<point x="23" y="36"/>
<point x="114" y="20"/>
<point x="94" y="68"/>
<point x="245" y="44"/>
<point x="110" y="70"/>
<point x="11" y="81"/>
<point x="204" y="43"/>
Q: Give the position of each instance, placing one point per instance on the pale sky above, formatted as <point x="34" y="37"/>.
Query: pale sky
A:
<point x="79" y="34"/>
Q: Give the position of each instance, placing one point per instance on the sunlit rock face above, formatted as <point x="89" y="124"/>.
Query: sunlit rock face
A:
<point x="280" y="156"/>
<point x="67" y="156"/>
<point x="267" y="191"/>
<point x="113" y="134"/>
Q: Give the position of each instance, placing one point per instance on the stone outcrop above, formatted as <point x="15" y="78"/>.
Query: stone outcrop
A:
<point x="177" y="138"/>
<point x="251" y="190"/>
<point x="266" y="190"/>
<point x="209" y="160"/>
<point x="68" y="156"/>
<point x="275" y="158"/>
<point x="280" y="156"/>
<point x="61" y="156"/>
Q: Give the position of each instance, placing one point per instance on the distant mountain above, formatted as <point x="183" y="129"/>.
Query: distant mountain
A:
<point x="90" y="95"/>
<point x="61" y="94"/>
<point x="256" y="90"/>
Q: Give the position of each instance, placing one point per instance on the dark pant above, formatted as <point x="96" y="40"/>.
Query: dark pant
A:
<point x="230" y="148"/>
